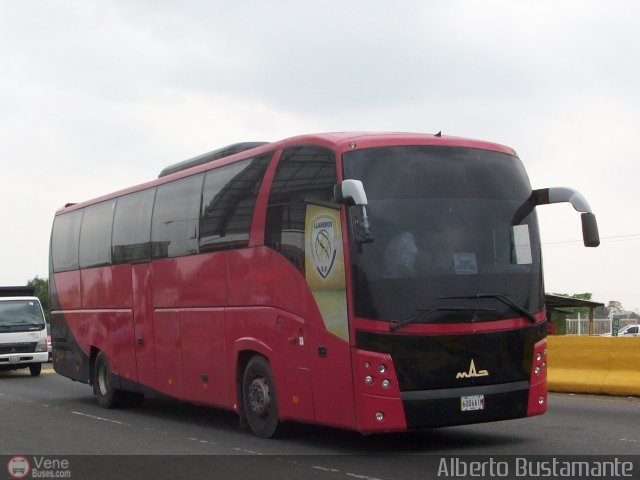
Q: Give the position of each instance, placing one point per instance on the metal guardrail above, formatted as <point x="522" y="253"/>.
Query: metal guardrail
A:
<point x="601" y="326"/>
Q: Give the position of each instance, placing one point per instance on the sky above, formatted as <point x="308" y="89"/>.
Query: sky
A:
<point x="96" y="96"/>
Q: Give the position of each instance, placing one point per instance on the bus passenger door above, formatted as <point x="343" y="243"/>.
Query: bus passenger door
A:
<point x="329" y="339"/>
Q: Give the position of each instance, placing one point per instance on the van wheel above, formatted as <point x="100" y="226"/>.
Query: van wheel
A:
<point x="35" y="369"/>
<point x="259" y="399"/>
<point x="108" y="397"/>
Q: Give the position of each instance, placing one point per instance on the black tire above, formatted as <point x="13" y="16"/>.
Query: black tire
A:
<point x="259" y="399"/>
<point x="35" y="369"/>
<point x="108" y="396"/>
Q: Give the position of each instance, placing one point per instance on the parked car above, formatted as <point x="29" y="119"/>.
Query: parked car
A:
<point x="628" y="331"/>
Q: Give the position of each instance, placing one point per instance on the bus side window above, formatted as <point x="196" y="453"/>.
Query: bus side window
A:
<point x="95" y="235"/>
<point x="228" y="200"/>
<point x="131" y="227"/>
<point x="303" y="173"/>
<point x="174" y="226"/>
<point x="64" y="242"/>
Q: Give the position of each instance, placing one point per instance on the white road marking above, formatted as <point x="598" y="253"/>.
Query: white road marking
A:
<point x="101" y="419"/>
<point x="325" y="469"/>
<point x="631" y="440"/>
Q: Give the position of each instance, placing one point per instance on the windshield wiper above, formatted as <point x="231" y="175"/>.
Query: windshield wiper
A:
<point x="26" y="324"/>
<point x="396" y="324"/>
<point x="501" y="297"/>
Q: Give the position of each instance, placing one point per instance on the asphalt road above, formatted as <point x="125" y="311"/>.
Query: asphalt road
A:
<point x="51" y="415"/>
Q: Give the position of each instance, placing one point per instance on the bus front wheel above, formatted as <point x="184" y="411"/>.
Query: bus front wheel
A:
<point x="35" y="369"/>
<point x="108" y="396"/>
<point x="259" y="399"/>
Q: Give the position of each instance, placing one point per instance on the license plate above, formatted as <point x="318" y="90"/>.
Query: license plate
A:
<point x="472" y="402"/>
<point x="14" y="359"/>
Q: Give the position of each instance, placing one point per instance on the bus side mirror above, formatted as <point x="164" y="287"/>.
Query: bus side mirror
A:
<point x="351" y="192"/>
<point x="545" y="196"/>
<point x="590" y="235"/>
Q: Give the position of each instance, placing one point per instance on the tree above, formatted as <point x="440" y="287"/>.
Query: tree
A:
<point x="601" y="312"/>
<point x="615" y="307"/>
<point x="42" y="292"/>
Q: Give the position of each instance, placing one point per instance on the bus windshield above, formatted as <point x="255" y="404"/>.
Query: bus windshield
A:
<point x="449" y="238"/>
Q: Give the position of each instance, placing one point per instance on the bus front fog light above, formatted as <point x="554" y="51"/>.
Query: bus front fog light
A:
<point x="537" y="370"/>
<point x="382" y="368"/>
<point x="540" y="400"/>
<point x="385" y="383"/>
<point x="379" y="416"/>
<point x="368" y="379"/>
<point x="538" y="356"/>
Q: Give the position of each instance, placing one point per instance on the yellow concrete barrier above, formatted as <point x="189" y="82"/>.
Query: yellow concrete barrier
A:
<point x="602" y="365"/>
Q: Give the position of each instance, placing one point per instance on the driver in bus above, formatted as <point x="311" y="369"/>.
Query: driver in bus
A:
<point x="400" y="256"/>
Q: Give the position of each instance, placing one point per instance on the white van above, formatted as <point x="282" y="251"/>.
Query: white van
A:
<point x="23" y="333"/>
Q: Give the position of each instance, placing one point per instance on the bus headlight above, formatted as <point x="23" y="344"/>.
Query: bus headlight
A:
<point x="42" y="346"/>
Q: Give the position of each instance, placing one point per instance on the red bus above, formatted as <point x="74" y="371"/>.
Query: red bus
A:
<point x="373" y="282"/>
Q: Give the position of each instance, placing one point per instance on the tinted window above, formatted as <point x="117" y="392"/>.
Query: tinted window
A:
<point x="95" y="235"/>
<point x="446" y="222"/>
<point x="132" y="227"/>
<point x="64" y="241"/>
<point x="174" y="229"/>
<point x="228" y="201"/>
<point x="303" y="173"/>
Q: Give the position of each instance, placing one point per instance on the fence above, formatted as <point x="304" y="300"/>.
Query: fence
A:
<point x="580" y="326"/>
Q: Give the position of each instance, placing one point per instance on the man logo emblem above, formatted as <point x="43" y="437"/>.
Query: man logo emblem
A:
<point x="324" y="246"/>
<point x="472" y="372"/>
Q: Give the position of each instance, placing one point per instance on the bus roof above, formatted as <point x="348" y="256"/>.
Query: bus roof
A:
<point x="338" y="141"/>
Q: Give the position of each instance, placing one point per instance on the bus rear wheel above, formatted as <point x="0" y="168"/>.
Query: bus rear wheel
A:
<point x="108" y="396"/>
<point x="259" y="399"/>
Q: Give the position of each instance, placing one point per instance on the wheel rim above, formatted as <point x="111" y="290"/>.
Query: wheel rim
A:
<point x="103" y="382"/>
<point x="259" y="397"/>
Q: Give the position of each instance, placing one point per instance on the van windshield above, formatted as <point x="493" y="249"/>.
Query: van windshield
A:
<point x="20" y="315"/>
